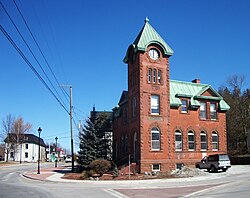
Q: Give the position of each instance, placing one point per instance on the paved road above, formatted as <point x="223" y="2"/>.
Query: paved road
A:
<point x="233" y="183"/>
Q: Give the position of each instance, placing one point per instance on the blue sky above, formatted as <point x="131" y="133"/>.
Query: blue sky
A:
<point x="85" y="42"/>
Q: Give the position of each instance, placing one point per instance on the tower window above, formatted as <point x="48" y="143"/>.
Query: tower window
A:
<point x="155" y="139"/>
<point x="154" y="75"/>
<point x="155" y="104"/>
<point x="149" y="75"/>
<point x="159" y="76"/>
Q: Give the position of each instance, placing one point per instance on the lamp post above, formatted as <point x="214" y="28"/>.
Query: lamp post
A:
<point x="38" y="167"/>
<point x="56" y="152"/>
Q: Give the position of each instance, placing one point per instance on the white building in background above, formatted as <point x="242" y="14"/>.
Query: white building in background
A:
<point x="24" y="148"/>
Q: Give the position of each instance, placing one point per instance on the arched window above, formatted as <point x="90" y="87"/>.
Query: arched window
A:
<point x="203" y="137"/>
<point x="191" y="141"/>
<point x="155" y="139"/>
<point x="215" y="141"/>
<point x="178" y="140"/>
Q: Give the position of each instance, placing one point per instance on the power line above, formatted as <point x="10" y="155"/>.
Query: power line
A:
<point x="39" y="48"/>
<point x="31" y="66"/>
<point x="31" y="52"/>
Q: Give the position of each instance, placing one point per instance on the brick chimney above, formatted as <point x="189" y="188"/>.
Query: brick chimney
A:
<point x="197" y="80"/>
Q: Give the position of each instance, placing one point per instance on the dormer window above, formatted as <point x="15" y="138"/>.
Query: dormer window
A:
<point x="203" y="111"/>
<point x="184" y="106"/>
<point x="213" y="114"/>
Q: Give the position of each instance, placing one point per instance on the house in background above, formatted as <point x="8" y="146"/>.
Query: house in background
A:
<point x="24" y="148"/>
<point x="162" y="124"/>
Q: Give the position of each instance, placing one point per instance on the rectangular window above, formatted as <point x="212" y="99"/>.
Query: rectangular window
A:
<point x="213" y="114"/>
<point x="134" y="107"/>
<point x="156" y="167"/>
<point x="149" y="75"/>
<point x="154" y="75"/>
<point x="203" y="111"/>
<point x="155" y="110"/>
<point x="26" y="146"/>
<point x="26" y="155"/>
<point x="184" y="106"/>
<point x="159" y="77"/>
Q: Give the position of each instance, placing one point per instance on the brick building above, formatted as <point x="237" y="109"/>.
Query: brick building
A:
<point x="162" y="124"/>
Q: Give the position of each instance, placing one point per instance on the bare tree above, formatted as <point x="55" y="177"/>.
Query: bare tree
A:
<point x="7" y="124"/>
<point x="13" y="133"/>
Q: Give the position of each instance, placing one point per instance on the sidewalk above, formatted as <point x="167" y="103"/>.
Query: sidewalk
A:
<point x="48" y="174"/>
<point x="55" y="175"/>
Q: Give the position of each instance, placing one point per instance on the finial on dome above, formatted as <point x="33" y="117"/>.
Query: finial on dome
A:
<point x="146" y="20"/>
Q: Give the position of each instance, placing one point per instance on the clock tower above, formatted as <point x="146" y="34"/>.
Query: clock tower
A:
<point x="149" y="100"/>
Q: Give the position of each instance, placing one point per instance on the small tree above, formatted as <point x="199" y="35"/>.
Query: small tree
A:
<point x="93" y="141"/>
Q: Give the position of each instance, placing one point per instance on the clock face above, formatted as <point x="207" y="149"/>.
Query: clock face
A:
<point x="154" y="54"/>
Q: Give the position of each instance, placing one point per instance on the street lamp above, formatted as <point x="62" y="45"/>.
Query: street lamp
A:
<point x="56" y="152"/>
<point x="38" y="167"/>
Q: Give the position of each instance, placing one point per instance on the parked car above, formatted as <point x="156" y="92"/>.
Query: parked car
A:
<point x="213" y="163"/>
<point x="68" y="159"/>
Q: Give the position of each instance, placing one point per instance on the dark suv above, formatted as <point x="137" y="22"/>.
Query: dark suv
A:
<point x="213" y="163"/>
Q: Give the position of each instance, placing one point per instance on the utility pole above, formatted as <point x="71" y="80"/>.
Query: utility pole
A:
<point x="71" y="130"/>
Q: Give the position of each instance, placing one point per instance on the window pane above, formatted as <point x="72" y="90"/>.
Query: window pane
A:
<point x="159" y="76"/>
<point x="156" y="144"/>
<point x="178" y="140"/>
<point x="149" y="75"/>
<point x="203" y="113"/>
<point x="184" y="106"/>
<point x="154" y="75"/>
<point x="191" y="146"/>
<point x="155" y="136"/>
<point x="155" y="104"/>
<point x="213" y="113"/>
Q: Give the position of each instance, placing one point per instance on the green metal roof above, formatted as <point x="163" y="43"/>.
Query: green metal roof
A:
<point x="148" y="36"/>
<point x="193" y="91"/>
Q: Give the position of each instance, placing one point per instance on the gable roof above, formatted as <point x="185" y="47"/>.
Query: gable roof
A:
<point x="147" y="36"/>
<point x="194" y="91"/>
<point x="124" y="98"/>
<point x="26" y="138"/>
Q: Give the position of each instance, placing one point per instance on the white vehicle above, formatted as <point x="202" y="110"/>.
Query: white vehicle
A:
<point x="214" y="163"/>
<point x="68" y="159"/>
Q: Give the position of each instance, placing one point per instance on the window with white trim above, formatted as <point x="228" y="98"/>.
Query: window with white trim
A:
<point x="203" y="137"/>
<point x="149" y="75"/>
<point x="155" y="105"/>
<point x="184" y="106"/>
<point x="214" y="141"/>
<point x="155" y="139"/>
<point x="203" y="110"/>
<point x="159" y="77"/>
<point x="213" y="113"/>
<point x="154" y="75"/>
<point x="156" y="167"/>
<point x="178" y="140"/>
<point x="191" y="141"/>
